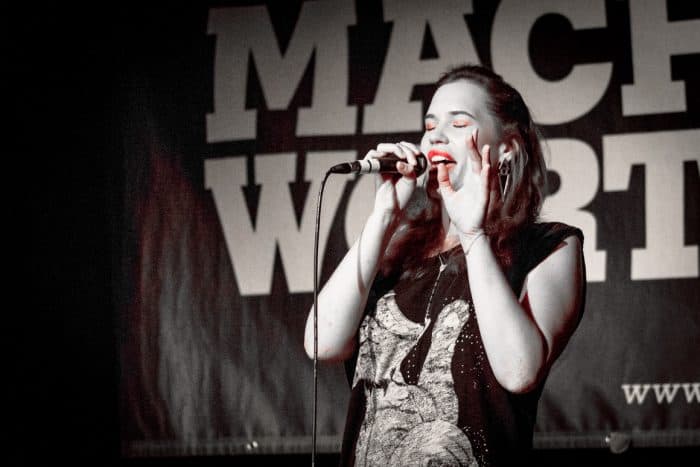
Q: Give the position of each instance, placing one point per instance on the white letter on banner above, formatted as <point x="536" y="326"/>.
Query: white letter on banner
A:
<point x="654" y="41"/>
<point x="551" y="102"/>
<point x="247" y="31"/>
<point x="662" y="154"/>
<point x="392" y="110"/>
<point x="577" y="166"/>
<point x="252" y="248"/>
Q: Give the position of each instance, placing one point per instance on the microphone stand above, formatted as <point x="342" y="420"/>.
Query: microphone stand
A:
<point x="315" y="395"/>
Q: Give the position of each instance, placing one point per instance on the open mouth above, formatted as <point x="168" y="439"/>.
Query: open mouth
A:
<point x="440" y="157"/>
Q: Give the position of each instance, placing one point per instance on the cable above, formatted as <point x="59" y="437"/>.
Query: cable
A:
<point x="315" y="403"/>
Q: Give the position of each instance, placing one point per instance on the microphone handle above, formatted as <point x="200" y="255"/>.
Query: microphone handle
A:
<point x="384" y="164"/>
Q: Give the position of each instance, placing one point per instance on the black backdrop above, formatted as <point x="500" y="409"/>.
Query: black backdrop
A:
<point x="76" y="73"/>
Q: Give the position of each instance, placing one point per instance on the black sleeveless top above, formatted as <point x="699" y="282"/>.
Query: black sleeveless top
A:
<point x="423" y="392"/>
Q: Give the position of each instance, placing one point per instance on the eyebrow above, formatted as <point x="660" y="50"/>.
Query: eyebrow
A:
<point x="453" y="113"/>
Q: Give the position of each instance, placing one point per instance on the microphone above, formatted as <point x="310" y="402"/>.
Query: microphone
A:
<point x="384" y="164"/>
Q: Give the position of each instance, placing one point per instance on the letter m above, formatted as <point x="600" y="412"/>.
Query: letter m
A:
<point x="245" y="35"/>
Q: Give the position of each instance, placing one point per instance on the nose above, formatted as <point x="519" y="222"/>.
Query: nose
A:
<point x="437" y="135"/>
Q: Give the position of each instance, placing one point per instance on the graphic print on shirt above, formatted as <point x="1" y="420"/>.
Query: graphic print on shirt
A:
<point x="410" y="424"/>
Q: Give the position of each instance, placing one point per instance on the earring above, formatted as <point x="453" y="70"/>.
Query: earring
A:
<point x="504" y="176"/>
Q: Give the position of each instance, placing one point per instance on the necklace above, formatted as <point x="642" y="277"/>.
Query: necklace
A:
<point x="443" y="265"/>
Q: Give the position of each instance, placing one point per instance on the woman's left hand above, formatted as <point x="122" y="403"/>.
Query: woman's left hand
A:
<point x="467" y="205"/>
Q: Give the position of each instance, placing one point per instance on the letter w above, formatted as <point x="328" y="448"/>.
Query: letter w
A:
<point x="692" y="391"/>
<point x="666" y="392"/>
<point x="251" y="247"/>
<point x="635" y="392"/>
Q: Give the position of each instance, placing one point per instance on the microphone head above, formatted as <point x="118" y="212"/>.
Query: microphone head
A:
<point x="421" y="164"/>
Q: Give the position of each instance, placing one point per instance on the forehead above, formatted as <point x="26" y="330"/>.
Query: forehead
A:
<point x="459" y="95"/>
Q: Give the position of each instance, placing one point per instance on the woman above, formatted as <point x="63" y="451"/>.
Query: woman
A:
<point x="454" y="302"/>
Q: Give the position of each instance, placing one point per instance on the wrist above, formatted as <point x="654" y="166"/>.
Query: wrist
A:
<point x="470" y="238"/>
<point x="471" y="233"/>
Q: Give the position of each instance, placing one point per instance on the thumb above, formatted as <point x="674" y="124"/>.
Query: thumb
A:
<point x="443" y="178"/>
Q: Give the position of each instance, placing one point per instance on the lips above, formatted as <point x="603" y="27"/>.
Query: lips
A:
<point x="440" y="157"/>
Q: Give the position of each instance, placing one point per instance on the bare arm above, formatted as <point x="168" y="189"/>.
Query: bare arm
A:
<point x="523" y="336"/>
<point x="342" y="299"/>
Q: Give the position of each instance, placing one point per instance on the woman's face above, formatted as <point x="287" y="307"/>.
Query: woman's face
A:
<point x="457" y="108"/>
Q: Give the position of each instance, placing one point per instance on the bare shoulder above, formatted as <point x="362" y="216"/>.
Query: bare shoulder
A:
<point x="562" y="262"/>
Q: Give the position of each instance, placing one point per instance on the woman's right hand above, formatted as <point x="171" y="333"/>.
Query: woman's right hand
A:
<point x="392" y="192"/>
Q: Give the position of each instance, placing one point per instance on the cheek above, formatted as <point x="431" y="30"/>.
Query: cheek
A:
<point x="488" y="137"/>
<point x="424" y="144"/>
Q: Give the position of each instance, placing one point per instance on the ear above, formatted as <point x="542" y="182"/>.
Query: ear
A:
<point x="507" y="150"/>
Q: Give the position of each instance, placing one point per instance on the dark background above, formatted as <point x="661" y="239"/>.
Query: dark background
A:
<point x="64" y="65"/>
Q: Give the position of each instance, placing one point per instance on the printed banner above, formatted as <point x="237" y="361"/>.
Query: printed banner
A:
<point x="232" y="114"/>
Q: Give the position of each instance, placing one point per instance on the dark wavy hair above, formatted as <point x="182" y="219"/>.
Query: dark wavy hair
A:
<point x="420" y="229"/>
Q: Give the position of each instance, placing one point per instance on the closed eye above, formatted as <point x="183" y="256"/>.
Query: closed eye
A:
<point x="460" y="123"/>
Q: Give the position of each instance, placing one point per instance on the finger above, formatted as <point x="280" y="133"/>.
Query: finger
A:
<point x="387" y="148"/>
<point x="407" y="153"/>
<point x="443" y="178"/>
<point x="473" y="151"/>
<point x="414" y="151"/>
<point x="486" y="168"/>
<point x="372" y="154"/>
<point x="486" y="156"/>
<point x="404" y="169"/>
<point x="411" y="146"/>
